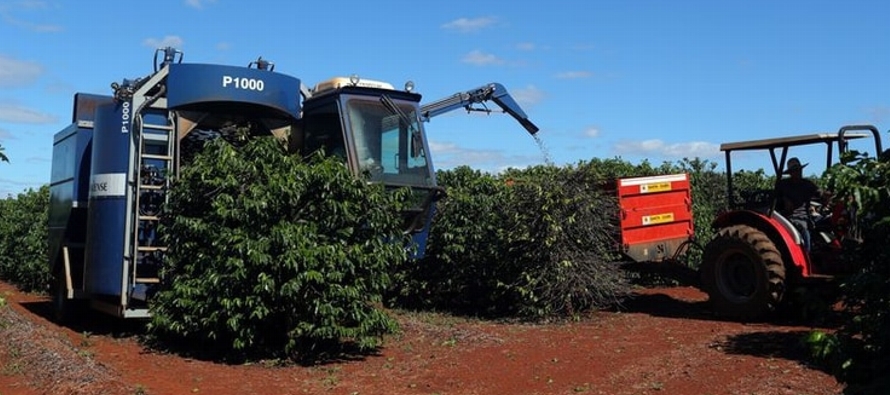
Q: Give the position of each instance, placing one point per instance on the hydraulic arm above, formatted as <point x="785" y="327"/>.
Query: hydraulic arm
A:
<point x="493" y="91"/>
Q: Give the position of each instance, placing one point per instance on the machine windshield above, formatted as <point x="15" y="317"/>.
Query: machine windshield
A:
<point x="389" y="146"/>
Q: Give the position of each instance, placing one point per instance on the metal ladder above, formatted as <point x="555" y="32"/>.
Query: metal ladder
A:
<point x="157" y="152"/>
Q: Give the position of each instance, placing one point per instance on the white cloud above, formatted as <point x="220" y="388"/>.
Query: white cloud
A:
<point x="10" y="187"/>
<point x="8" y="11"/>
<point x="223" y="46"/>
<point x="5" y="135"/>
<point x="528" y="96"/>
<point x="659" y="148"/>
<point x="526" y="46"/>
<point x="39" y="5"/>
<point x="198" y="3"/>
<point x="592" y="132"/>
<point x="167" y="41"/>
<point x="450" y="155"/>
<point x="479" y="58"/>
<point x="443" y="148"/>
<point x="467" y="25"/>
<point x="14" y="113"/>
<point x="573" y="75"/>
<point x="59" y="87"/>
<point x="14" y="72"/>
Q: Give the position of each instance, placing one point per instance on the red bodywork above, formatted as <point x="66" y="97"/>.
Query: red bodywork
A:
<point x="656" y="216"/>
<point x="774" y="229"/>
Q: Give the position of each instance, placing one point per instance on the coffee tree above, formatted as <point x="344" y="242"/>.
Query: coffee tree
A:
<point x="23" y="239"/>
<point x="859" y="353"/>
<point x="275" y="256"/>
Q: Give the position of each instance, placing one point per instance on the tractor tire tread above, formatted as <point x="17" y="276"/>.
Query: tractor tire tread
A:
<point x="771" y="288"/>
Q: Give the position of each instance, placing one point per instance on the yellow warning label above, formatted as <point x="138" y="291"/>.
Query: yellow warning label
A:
<point x="658" y="219"/>
<point x="655" y="187"/>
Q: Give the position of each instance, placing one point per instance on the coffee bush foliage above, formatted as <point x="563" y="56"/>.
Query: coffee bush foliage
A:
<point x="278" y="255"/>
<point x="272" y="255"/>
<point x="859" y="353"/>
<point x="463" y="257"/>
<point x="23" y="240"/>
<point x="536" y="242"/>
<point x="561" y="243"/>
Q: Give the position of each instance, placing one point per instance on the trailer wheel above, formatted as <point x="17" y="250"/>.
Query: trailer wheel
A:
<point x="743" y="273"/>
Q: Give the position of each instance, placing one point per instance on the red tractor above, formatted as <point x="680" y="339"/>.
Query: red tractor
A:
<point x="757" y="253"/>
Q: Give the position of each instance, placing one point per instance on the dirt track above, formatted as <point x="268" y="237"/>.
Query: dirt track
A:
<point x="662" y="342"/>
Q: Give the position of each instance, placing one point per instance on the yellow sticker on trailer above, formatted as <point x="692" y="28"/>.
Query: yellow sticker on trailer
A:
<point x="658" y="219"/>
<point x="655" y="187"/>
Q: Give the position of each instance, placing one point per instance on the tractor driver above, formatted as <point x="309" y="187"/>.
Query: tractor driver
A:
<point x="793" y="197"/>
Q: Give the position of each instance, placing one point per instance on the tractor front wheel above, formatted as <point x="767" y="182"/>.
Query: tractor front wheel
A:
<point x="743" y="273"/>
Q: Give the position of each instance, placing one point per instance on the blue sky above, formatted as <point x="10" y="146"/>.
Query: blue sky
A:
<point x="640" y="80"/>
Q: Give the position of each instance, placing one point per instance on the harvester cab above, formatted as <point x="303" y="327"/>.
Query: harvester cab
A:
<point x="378" y="130"/>
<point x="113" y="165"/>
<point x="757" y="252"/>
<point x="375" y="129"/>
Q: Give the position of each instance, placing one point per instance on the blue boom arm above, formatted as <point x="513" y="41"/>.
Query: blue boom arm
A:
<point x="493" y="91"/>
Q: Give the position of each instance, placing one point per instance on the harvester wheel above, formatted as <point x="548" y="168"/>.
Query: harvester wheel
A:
<point x="743" y="273"/>
<point x="65" y="311"/>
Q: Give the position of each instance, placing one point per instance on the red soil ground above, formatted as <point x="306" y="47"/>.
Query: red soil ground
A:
<point x="664" y="341"/>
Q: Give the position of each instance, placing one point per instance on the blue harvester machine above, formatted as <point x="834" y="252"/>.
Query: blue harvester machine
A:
<point x="112" y="166"/>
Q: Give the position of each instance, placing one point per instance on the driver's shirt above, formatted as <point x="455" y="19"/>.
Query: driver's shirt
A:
<point x="794" y="195"/>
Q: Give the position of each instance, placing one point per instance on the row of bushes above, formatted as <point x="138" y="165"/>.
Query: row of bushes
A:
<point x="280" y="256"/>
<point x="538" y="242"/>
<point x="275" y="255"/>
<point x="23" y="240"/>
<point x="520" y="244"/>
<point x="284" y="256"/>
<point x="304" y="256"/>
<point x="859" y="352"/>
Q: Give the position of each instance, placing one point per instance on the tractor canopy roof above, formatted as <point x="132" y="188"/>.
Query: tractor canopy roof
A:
<point x="790" y="141"/>
<point x="779" y="147"/>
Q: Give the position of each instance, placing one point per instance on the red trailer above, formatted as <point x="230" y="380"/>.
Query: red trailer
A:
<point x="655" y="216"/>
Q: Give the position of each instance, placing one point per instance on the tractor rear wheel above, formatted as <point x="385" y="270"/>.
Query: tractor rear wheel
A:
<point x="743" y="273"/>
